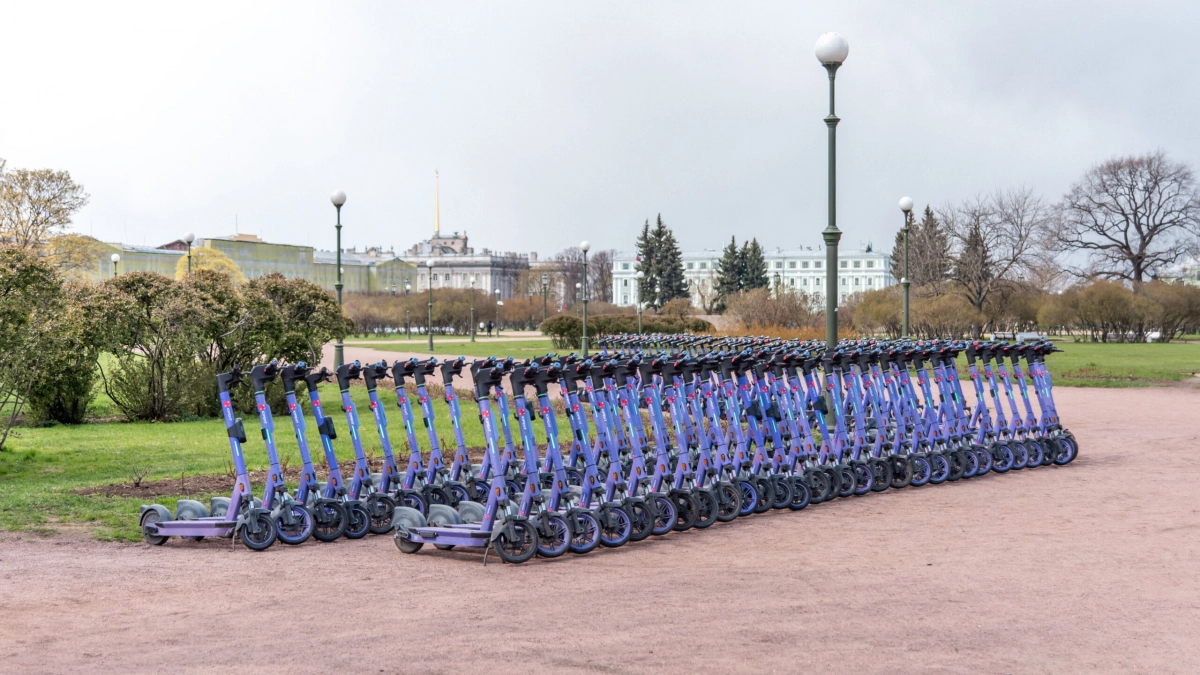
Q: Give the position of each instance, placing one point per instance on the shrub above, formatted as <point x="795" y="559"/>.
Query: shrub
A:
<point x="566" y="331"/>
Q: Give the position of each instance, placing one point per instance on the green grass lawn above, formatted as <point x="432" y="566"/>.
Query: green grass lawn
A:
<point x="1096" y="364"/>
<point x="521" y="349"/>
<point x="40" y="466"/>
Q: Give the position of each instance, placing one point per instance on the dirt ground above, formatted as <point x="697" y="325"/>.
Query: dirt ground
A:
<point x="1088" y="568"/>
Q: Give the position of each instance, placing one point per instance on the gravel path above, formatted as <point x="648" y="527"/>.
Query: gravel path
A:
<point x="1088" y="568"/>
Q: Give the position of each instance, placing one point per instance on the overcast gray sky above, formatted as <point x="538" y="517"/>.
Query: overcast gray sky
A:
<point x="553" y="122"/>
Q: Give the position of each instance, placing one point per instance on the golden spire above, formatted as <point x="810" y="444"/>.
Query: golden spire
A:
<point x="437" y="208"/>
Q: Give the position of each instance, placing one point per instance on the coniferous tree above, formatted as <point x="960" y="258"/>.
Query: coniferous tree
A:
<point x="729" y="274"/>
<point x="754" y="266"/>
<point x="668" y="267"/>
<point x="646" y="245"/>
<point x="929" y="258"/>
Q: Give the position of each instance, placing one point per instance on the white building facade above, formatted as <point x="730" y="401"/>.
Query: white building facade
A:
<point x="796" y="270"/>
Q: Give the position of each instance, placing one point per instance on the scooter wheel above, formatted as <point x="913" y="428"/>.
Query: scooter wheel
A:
<point x="555" y="538"/>
<point x="985" y="459"/>
<point x="800" y="494"/>
<point x="939" y="466"/>
<point x="458" y="494"/>
<point x="263" y="538"/>
<point x="881" y="472"/>
<point x="414" y="501"/>
<point x="330" y="520"/>
<point x="765" y="495"/>
<point x="749" y="496"/>
<point x="864" y="478"/>
<point x="1068" y="449"/>
<point x="405" y="520"/>
<point x="439" y="495"/>
<point x="686" y="511"/>
<point x="958" y="464"/>
<point x="1020" y="455"/>
<point x="706" y="508"/>
<point x="585" y="536"/>
<point x="360" y="522"/>
<point x="922" y="469"/>
<point x="518" y="547"/>
<point x="847" y="482"/>
<point x="970" y="463"/>
<point x="902" y="471"/>
<point x="729" y="502"/>
<point x="819" y="487"/>
<point x="782" y="491"/>
<point x="641" y="520"/>
<point x="151" y="516"/>
<point x="1037" y="453"/>
<point x="1002" y="458"/>
<point x="441" y="515"/>
<point x="471" y="512"/>
<point x="381" y="507"/>
<point x="299" y="530"/>
<point x="665" y="516"/>
<point x="615" y="526"/>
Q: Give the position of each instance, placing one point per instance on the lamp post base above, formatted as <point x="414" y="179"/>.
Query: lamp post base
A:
<point x="338" y="354"/>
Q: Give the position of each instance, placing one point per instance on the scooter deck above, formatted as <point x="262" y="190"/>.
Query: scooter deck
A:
<point x="450" y="536"/>
<point x="192" y="528"/>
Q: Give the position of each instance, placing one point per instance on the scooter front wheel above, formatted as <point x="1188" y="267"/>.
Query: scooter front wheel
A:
<point x="615" y="526"/>
<point x="330" y="520"/>
<point x="585" y="536"/>
<point x="800" y="494"/>
<point x="641" y="520"/>
<point x="922" y="469"/>
<point x="729" y="502"/>
<point x="519" y="546"/>
<point x="864" y="478"/>
<point x="782" y="491"/>
<point x="259" y="535"/>
<point x="360" y="522"/>
<point x="1068" y="449"/>
<point x="381" y="508"/>
<point x="665" y="516"/>
<point x="706" y="508"/>
<point x="1002" y="458"/>
<point x="554" y="538"/>
<point x="686" y="511"/>
<point x="939" y="468"/>
<point x="749" y="496"/>
<point x="1037" y="453"/>
<point x="902" y="472"/>
<point x="881" y="471"/>
<point x="985" y="459"/>
<point x="298" y="530"/>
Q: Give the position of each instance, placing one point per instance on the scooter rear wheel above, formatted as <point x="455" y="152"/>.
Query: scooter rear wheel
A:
<point x="330" y="521"/>
<point x="517" y="548"/>
<point x="149" y="517"/>
<point x="263" y="538"/>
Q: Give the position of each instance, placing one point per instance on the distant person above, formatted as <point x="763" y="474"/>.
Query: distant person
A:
<point x="489" y="328"/>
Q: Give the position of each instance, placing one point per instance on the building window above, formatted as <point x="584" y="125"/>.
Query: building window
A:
<point x="857" y="264"/>
<point x="691" y="265"/>
<point x="804" y="281"/>
<point x="870" y="263"/>
<point x="804" y="265"/>
<point x="791" y="282"/>
<point x="791" y="264"/>
<point x="845" y="264"/>
<point x="625" y="283"/>
<point x="703" y="265"/>
<point x="845" y="281"/>
<point x="624" y="266"/>
<point x="778" y="264"/>
<point x="817" y="265"/>
<point x="625" y="298"/>
<point x="870" y="281"/>
<point x="857" y="281"/>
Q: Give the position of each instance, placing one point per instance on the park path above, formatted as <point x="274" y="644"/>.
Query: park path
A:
<point x="1086" y="568"/>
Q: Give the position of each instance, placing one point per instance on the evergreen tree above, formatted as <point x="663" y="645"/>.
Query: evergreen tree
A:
<point x="754" y="266"/>
<point x="669" y="282"/>
<point x="648" y="286"/>
<point x="729" y="274"/>
<point x="929" y="258"/>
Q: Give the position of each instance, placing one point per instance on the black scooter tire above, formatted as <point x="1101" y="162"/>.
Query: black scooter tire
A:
<point x="706" y="508"/>
<point x="261" y="540"/>
<point x="766" y="495"/>
<point x="330" y="519"/>
<point x="902" y="472"/>
<point x="686" y="511"/>
<point x="882" y="471"/>
<point x="801" y="495"/>
<point x="360" y="522"/>
<point x="782" y="491"/>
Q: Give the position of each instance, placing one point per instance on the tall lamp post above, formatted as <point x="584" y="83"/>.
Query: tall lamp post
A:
<point x="472" y="310"/>
<point x="545" y="294"/>
<point x="115" y="258"/>
<point x="189" y="238"/>
<point x="832" y="50"/>
<point x="407" y="322"/>
<point x="906" y="205"/>
<point x="429" y="274"/>
<point x="637" y="295"/>
<point x="498" y="306"/>
<point x="338" y="198"/>
<point x="584" y="246"/>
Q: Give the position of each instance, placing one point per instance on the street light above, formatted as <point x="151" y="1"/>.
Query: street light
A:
<point x="584" y="246"/>
<point x="115" y="258"/>
<point x="545" y="291"/>
<point x="637" y="295"/>
<point x="832" y="50"/>
<point x="498" y="306"/>
<point x="429" y="330"/>
<point x="407" y="322"/>
<point x="472" y="310"/>
<point x="906" y="205"/>
<point x="189" y="238"/>
<point x="338" y="199"/>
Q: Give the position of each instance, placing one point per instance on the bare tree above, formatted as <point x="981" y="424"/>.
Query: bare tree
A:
<point x="600" y="281"/>
<point x="570" y="271"/>
<point x="36" y="206"/>
<point x="996" y="241"/>
<point x="1130" y="216"/>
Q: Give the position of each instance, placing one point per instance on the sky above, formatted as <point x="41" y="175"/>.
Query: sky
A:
<point x="556" y="122"/>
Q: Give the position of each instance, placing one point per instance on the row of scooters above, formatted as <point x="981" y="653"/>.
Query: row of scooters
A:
<point x="684" y="431"/>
